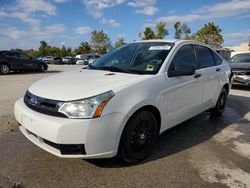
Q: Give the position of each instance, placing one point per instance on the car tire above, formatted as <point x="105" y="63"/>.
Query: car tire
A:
<point x="4" y="69"/>
<point x="220" y="104"/>
<point x="138" y="137"/>
<point x="41" y="68"/>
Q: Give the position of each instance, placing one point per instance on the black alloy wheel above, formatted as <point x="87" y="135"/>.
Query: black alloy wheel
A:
<point x="139" y="137"/>
<point x="221" y="103"/>
<point x="4" y="69"/>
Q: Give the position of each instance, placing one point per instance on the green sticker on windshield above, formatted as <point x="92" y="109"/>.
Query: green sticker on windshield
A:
<point x="150" y="67"/>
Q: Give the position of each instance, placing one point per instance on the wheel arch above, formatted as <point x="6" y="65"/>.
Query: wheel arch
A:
<point x="5" y="63"/>
<point x="226" y="86"/>
<point x="149" y="107"/>
<point x="152" y="109"/>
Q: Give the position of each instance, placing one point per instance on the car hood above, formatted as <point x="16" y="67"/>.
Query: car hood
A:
<point x="79" y="84"/>
<point x="240" y="66"/>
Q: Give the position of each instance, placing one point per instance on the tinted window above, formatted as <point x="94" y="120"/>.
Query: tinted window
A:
<point x="204" y="56"/>
<point x="244" y="58"/>
<point x="24" y="56"/>
<point x="240" y="58"/>
<point x="11" y="54"/>
<point x="217" y="59"/>
<point x="184" y="56"/>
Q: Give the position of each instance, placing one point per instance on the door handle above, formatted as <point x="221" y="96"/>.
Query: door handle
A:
<point x="197" y="75"/>
<point x="218" y="69"/>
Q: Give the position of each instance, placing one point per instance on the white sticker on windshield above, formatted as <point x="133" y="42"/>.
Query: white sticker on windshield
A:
<point x="160" y="48"/>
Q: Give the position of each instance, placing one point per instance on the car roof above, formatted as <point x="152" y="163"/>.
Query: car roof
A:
<point x="176" y="42"/>
<point x="179" y="41"/>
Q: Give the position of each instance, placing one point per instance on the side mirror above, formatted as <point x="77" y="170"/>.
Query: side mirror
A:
<point x="181" y="70"/>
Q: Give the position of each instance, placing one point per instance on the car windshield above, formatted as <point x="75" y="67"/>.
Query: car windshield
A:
<point x="136" y="58"/>
<point x="240" y="58"/>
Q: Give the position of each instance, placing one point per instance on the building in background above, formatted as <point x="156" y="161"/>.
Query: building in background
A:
<point x="242" y="47"/>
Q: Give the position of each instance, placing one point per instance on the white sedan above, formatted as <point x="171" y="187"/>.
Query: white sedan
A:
<point x="121" y="103"/>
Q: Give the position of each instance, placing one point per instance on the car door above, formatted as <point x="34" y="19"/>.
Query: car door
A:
<point x="13" y="60"/>
<point x="183" y="95"/>
<point x="26" y="61"/>
<point x="210" y="74"/>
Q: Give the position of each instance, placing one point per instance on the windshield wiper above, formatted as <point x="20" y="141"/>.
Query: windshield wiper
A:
<point x="114" y="69"/>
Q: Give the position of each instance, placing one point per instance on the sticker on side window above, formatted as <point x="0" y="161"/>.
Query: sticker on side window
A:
<point x="160" y="48"/>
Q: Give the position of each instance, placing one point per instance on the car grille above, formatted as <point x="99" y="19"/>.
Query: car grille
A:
<point x="42" y="105"/>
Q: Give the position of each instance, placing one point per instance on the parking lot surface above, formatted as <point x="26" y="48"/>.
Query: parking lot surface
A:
<point x="201" y="152"/>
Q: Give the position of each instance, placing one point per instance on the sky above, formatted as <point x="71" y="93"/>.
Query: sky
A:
<point x="24" y="23"/>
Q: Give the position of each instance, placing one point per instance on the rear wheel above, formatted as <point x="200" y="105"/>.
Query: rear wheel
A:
<point x="221" y="103"/>
<point x="4" y="69"/>
<point x="138" y="137"/>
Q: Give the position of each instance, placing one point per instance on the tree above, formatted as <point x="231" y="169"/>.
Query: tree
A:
<point x="182" y="30"/>
<point x="209" y="34"/>
<point x="63" y="51"/>
<point x="119" y="42"/>
<point x="33" y="53"/>
<point x="100" y="42"/>
<point x="42" y="48"/>
<point x="161" y="30"/>
<point x="148" y="33"/>
<point x="84" y="48"/>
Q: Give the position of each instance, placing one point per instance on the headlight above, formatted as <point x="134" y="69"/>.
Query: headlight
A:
<point x="86" y="108"/>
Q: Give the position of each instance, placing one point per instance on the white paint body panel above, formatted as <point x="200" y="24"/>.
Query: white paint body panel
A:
<point x="176" y="98"/>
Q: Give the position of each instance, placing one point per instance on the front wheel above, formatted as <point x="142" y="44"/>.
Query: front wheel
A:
<point x="41" y="68"/>
<point x="4" y="69"/>
<point x="138" y="137"/>
<point x="221" y="103"/>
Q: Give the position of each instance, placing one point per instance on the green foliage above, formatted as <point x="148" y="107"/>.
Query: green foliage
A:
<point x="46" y="50"/>
<point x="42" y="48"/>
<point x="182" y="30"/>
<point x="119" y="42"/>
<point x="63" y="51"/>
<point x="33" y="53"/>
<point x="84" y="48"/>
<point x="100" y="42"/>
<point x="209" y="34"/>
<point x="161" y="30"/>
<point x="148" y="33"/>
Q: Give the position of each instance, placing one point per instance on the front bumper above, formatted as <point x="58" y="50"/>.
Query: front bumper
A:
<point x="241" y="79"/>
<point x="93" y="138"/>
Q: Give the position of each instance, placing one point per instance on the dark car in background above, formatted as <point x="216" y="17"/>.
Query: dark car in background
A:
<point x="57" y="60"/>
<point x="240" y="66"/>
<point x="17" y="61"/>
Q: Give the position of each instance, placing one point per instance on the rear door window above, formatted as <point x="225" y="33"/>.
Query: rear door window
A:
<point x="217" y="58"/>
<point x="204" y="56"/>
